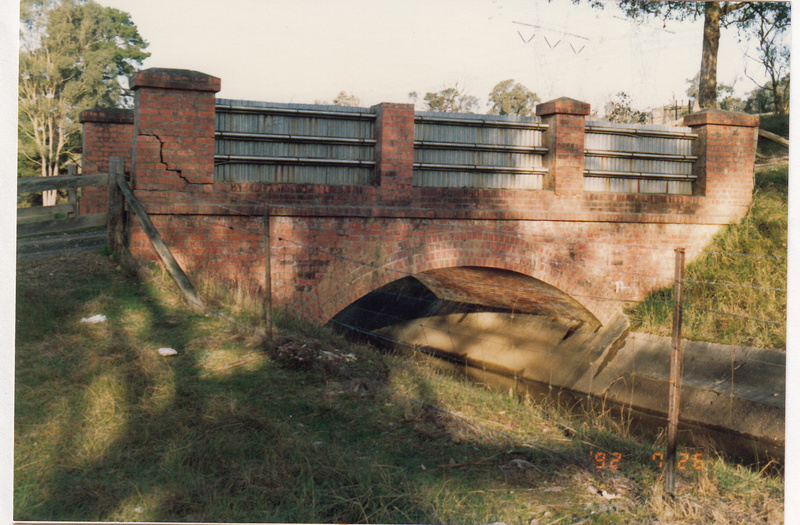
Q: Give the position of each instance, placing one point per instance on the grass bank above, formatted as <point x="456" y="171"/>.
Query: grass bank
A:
<point x="735" y="292"/>
<point x="314" y="430"/>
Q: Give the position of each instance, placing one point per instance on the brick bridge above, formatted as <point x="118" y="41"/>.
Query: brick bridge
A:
<point x="551" y="215"/>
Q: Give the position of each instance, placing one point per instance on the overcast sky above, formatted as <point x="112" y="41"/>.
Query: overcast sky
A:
<point x="380" y="50"/>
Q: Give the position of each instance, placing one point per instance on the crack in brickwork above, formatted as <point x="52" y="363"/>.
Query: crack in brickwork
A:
<point x="161" y="143"/>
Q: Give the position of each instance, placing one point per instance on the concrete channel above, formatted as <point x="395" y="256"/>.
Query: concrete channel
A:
<point x="732" y="398"/>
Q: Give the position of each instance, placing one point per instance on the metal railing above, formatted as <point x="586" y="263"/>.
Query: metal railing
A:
<point x="478" y="151"/>
<point x="293" y="143"/>
<point x="625" y="158"/>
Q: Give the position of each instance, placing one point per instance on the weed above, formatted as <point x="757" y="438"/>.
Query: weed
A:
<point x="742" y="273"/>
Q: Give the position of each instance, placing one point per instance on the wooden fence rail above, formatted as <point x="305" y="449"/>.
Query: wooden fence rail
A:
<point x="73" y="221"/>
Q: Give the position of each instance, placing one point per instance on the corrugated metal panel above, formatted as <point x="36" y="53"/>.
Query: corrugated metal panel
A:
<point x="628" y="158"/>
<point x="276" y="138"/>
<point x="503" y="151"/>
<point x="465" y="179"/>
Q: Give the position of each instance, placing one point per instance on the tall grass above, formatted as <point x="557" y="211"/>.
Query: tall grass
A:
<point x="313" y="430"/>
<point x="735" y="292"/>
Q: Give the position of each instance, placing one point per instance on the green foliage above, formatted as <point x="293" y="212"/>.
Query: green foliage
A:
<point x="619" y="109"/>
<point x="72" y="56"/>
<point x="509" y="98"/>
<point x="766" y="20"/>
<point x="315" y="430"/>
<point x="725" y="98"/>
<point x="736" y="290"/>
<point x="451" y="99"/>
<point x="762" y="99"/>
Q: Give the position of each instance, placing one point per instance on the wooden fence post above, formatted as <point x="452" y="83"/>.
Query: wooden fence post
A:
<point x="72" y="193"/>
<point x="267" y="278"/>
<point x="116" y="209"/>
<point x="676" y="365"/>
<point x="174" y="269"/>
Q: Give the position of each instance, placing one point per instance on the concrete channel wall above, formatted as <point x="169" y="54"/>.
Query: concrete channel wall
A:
<point x="731" y="392"/>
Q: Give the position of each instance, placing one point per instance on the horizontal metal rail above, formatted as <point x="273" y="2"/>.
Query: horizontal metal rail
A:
<point x="319" y="113"/>
<point x="297" y="161"/>
<point x="480" y="122"/>
<point x="309" y="139"/>
<point x="638" y="175"/>
<point x="637" y="155"/>
<point x="637" y="132"/>
<point x="428" y="144"/>
<point x="479" y="168"/>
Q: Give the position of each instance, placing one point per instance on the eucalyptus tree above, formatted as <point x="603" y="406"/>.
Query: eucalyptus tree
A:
<point x="510" y="98"/>
<point x="451" y="99"/>
<point x="74" y="55"/>
<point x="745" y="16"/>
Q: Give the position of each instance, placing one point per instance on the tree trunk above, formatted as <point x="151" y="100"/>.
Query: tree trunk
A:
<point x="49" y="196"/>
<point x="707" y="97"/>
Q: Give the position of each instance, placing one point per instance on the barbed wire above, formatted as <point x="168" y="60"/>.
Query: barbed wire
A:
<point x="722" y="283"/>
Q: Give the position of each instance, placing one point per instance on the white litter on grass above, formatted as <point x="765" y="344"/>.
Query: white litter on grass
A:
<point x="167" y="351"/>
<point x="94" y="319"/>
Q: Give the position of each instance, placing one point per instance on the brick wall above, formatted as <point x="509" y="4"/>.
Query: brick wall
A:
<point x="173" y="128"/>
<point x="394" y="150"/>
<point x="333" y="244"/>
<point x="565" y="137"/>
<point x="106" y="133"/>
<point x="725" y="147"/>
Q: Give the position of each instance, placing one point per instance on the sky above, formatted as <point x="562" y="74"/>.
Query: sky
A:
<point x="305" y="51"/>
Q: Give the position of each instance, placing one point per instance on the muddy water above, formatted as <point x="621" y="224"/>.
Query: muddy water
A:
<point x="581" y="366"/>
<point x="644" y="424"/>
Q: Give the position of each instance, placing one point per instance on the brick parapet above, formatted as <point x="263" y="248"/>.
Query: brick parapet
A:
<point x="107" y="132"/>
<point x="725" y="147"/>
<point x="320" y="232"/>
<point x="173" y="128"/>
<point x="394" y="150"/>
<point x="564" y="139"/>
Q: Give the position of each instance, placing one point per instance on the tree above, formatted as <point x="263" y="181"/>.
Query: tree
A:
<point x="761" y="99"/>
<point x="768" y="25"/>
<point x="715" y="15"/>
<point x="451" y="99"/>
<point x="724" y="98"/>
<point x="508" y="98"/>
<point x="619" y="109"/>
<point x="343" y="99"/>
<point x="72" y="56"/>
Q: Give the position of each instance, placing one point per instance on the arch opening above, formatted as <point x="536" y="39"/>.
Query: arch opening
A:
<point x="461" y="290"/>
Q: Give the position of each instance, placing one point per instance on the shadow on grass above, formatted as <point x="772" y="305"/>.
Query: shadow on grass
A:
<point x="106" y="429"/>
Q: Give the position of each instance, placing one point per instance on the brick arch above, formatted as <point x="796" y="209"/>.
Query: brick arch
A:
<point x="347" y="280"/>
